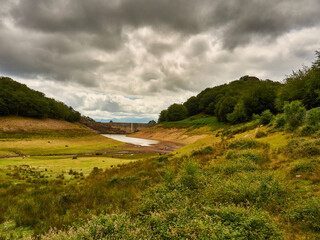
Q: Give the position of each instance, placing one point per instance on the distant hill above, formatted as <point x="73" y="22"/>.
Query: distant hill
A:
<point x="239" y="100"/>
<point x="17" y="99"/>
<point x="234" y="102"/>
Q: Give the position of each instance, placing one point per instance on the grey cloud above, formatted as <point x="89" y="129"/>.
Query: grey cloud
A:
<point x="239" y="21"/>
<point x="159" y="48"/>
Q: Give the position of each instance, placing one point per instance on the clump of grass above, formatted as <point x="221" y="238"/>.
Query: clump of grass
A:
<point x="307" y="214"/>
<point x="303" y="148"/>
<point x="248" y="156"/>
<point x="245" y="144"/>
<point x="306" y="167"/>
<point x="260" y="134"/>
<point x="249" y="188"/>
<point x="205" y="151"/>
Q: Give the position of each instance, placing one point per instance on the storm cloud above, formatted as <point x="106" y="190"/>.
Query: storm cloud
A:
<point x="158" y="51"/>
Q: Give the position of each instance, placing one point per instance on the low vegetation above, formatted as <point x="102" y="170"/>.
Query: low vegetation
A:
<point x="230" y="185"/>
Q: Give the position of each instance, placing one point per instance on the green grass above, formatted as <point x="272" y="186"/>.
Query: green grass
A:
<point x="52" y="145"/>
<point x="58" y="164"/>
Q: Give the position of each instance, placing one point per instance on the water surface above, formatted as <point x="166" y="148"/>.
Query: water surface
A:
<point x="137" y="141"/>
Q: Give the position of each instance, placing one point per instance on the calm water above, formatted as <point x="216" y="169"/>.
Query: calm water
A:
<point x="132" y="140"/>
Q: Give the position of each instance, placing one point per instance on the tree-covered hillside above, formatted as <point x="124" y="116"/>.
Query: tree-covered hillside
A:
<point x="18" y="99"/>
<point x="237" y="101"/>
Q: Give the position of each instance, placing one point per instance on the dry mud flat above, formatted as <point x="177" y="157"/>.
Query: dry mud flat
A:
<point x="161" y="147"/>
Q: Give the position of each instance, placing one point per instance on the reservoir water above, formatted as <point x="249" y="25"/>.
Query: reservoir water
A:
<point x="132" y="140"/>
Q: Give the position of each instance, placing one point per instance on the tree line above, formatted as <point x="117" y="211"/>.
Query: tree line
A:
<point x="18" y="99"/>
<point x="241" y="100"/>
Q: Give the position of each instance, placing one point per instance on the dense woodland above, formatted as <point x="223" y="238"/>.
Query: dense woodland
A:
<point x="18" y="99"/>
<point x="240" y="100"/>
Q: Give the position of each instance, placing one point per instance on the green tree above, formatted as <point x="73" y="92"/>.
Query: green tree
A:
<point x="163" y="117"/>
<point x="152" y="122"/>
<point x="3" y="108"/>
<point x="295" y="114"/>
<point x="238" y="115"/>
<point x="224" y="107"/>
<point x="192" y="105"/>
<point x="177" y="112"/>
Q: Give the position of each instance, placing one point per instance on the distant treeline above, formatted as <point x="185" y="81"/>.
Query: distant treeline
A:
<point x="18" y="99"/>
<point x="239" y="100"/>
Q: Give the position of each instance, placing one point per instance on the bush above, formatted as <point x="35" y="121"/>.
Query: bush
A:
<point x="280" y="121"/>
<point x="313" y="117"/>
<point x="306" y="167"/>
<point x="266" y="117"/>
<point x="295" y="114"/>
<point x="190" y="176"/>
<point x="308" y="130"/>
<point x="307" y="214"/>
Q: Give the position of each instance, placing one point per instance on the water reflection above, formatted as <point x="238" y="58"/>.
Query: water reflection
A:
<point x="132" y="140"/>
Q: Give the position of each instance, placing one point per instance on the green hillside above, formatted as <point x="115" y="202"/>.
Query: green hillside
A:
<point x="237" y="101"/>
<point x="18" y="99"/>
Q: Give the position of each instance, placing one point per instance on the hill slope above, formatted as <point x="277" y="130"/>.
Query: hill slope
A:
<point x="18" y="99"/>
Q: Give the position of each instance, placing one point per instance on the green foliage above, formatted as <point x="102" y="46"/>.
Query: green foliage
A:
<point x="224" y="107"/>
<point x="266" y="117"/>
<point x="244" y="144"/>
<point x="163" y="116"/>
<point x="205" y="151"/>
<point x="308" y="214"/>
<point x="4" y="111"/>
<point x="295" y="114"/>
<point x="237" y="101"/>
<point x="238" y="115"/>
<point x="303" y="85"/>
<point x="177" y="112"/>
<point x="280" y="121"/>
<point x="192" y="105"/>
<point x="18" y="99"/>
<point x="190" y="175"/>
<point x="310" y="166"/>
<point x="260" y="98"/>
<point x="313" y="117"/>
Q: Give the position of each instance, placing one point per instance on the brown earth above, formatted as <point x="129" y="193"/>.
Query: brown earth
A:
<point x="16" y="124"/>
<point x="176" y="135"/>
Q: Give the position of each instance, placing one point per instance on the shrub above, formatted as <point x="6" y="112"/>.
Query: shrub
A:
<point x="280" y="121"/>
<point x="313" y="117"/>
<point x="307" y="214"/>
<point x="266" y="117"/>
<point x="308" y="130"/>
<point x="190" y="176"/>
<point x="295" y="114"/>
<point x="244" y="144"/>
<point x="306" y="167"/>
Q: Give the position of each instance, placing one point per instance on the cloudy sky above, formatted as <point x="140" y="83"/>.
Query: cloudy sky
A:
<point x="129" y="59"/>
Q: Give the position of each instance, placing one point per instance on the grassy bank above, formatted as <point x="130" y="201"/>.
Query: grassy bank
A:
<point x="231" y="182"/>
